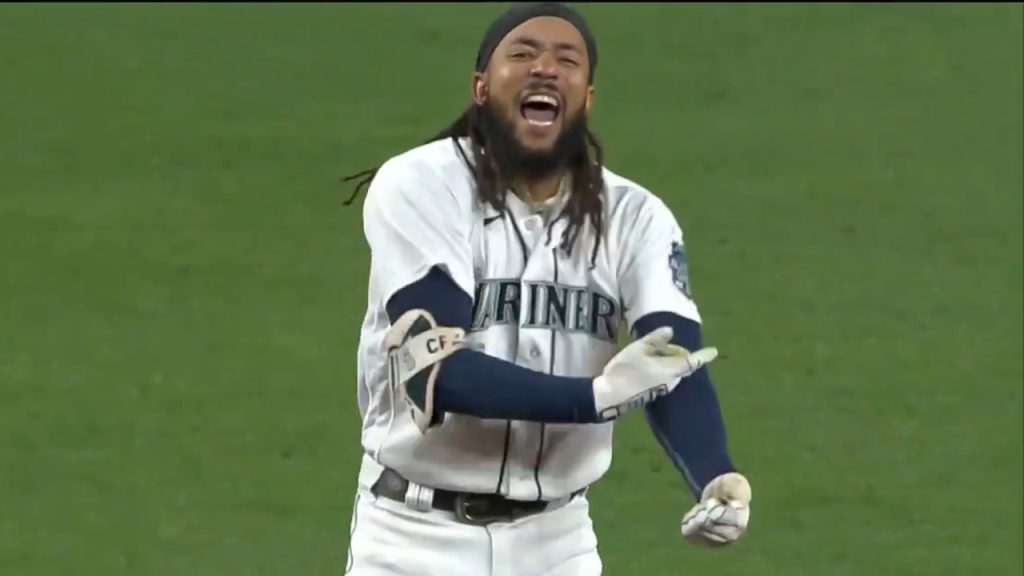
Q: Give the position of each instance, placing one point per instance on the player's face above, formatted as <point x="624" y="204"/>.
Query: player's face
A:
<point x="538" y="81"/>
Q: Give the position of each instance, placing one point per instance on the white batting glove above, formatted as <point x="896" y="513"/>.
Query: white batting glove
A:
<point x="646" y="369"/>
<point x="722" y="514"/>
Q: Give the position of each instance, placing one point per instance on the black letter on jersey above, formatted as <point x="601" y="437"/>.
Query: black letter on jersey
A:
<point x="496" y="303"/>
<point x="483" y="306"/>
<point x="508" y="303"/>
<point x="554" y="313"/>
<point x="602" y="314"/>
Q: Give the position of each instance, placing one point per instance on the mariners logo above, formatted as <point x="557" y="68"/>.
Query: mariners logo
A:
<point x="680" y="271"/>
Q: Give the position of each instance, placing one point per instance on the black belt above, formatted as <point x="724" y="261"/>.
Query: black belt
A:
<point x="469" y="508"/>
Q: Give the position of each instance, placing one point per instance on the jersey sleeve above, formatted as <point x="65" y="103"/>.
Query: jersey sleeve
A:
<point x="653" y="272"/>
<point x="413" y="222"/>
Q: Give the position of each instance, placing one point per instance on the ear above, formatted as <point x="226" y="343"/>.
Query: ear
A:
<point x="479" y="88"/>
<point x="588" y="101"/>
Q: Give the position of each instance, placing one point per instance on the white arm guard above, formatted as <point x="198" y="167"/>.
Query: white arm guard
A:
<point x="416" y="345"/>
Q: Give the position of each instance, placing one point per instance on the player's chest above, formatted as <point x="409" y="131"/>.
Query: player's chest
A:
<point x="525" y="279"/>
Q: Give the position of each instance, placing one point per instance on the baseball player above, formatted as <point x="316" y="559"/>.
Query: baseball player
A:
<point x="506" y="263"/>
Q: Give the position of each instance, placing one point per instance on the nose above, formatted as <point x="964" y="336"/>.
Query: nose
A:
<point x="545" y="66"/>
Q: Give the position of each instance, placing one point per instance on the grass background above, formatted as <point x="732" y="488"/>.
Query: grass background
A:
<point x="181" y="289"/>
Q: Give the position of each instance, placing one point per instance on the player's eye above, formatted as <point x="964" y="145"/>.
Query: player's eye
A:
<point x="568" y="61"/>
<point x="519" y="55"/>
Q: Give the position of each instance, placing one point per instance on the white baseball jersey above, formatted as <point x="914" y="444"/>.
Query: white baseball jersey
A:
<point x="533" y="304"/>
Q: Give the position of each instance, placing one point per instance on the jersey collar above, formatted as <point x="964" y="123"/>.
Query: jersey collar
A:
<point x="548" y="209"/>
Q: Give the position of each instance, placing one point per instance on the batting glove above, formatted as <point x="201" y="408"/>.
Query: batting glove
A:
<point x="646" y="369"/>
<point x="722" y="514"/>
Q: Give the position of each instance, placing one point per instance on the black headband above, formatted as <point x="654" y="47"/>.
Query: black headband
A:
<point x="520" y="13"/>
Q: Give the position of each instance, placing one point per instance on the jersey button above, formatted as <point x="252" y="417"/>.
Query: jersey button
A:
<point x="534" y="353"/>
<point x="532" y="224"/>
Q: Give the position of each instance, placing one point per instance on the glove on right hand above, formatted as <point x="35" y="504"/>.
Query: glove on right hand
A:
<point x="643" y="371"/>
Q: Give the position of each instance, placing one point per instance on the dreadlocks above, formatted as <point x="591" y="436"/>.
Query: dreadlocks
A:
<point x="584" y="162"/>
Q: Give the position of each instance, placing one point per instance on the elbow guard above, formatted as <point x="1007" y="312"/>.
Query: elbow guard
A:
<point x="415" y="346"/>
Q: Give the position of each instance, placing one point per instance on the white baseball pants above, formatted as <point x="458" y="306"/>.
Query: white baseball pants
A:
<point x="391" y="539"/>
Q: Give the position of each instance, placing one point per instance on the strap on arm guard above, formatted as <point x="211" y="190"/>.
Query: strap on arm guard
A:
<point x="416" y="345"/>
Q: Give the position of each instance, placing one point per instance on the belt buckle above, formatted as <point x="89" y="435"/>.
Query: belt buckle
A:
<point x="465" y="512"/>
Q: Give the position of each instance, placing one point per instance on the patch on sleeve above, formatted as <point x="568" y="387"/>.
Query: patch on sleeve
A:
<point x="680" y="270"/>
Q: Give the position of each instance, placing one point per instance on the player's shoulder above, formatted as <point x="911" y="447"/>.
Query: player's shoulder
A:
<point x="626" y="199"/>
<point x="433" y="168"/>
<point x="440" y="156"/>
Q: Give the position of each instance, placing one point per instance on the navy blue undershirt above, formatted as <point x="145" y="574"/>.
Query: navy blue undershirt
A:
<point x="473" y="383"/>
<point x="687" y="423"/>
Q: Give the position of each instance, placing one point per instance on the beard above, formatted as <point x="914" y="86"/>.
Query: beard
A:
<point x="512" y="159"/>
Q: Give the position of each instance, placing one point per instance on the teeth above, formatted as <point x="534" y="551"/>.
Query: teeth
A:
<point x="543" y="98"/>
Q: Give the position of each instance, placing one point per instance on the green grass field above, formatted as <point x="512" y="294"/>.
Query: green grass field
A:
<point x="181" y="288"/>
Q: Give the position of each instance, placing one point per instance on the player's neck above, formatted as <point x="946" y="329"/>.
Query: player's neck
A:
<point x="539" y="190"/>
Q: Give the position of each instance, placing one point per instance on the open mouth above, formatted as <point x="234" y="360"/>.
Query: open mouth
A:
<point x="540" y="109"/>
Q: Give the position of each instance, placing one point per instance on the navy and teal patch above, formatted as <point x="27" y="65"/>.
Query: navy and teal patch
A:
<point x="680" y="270"/>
